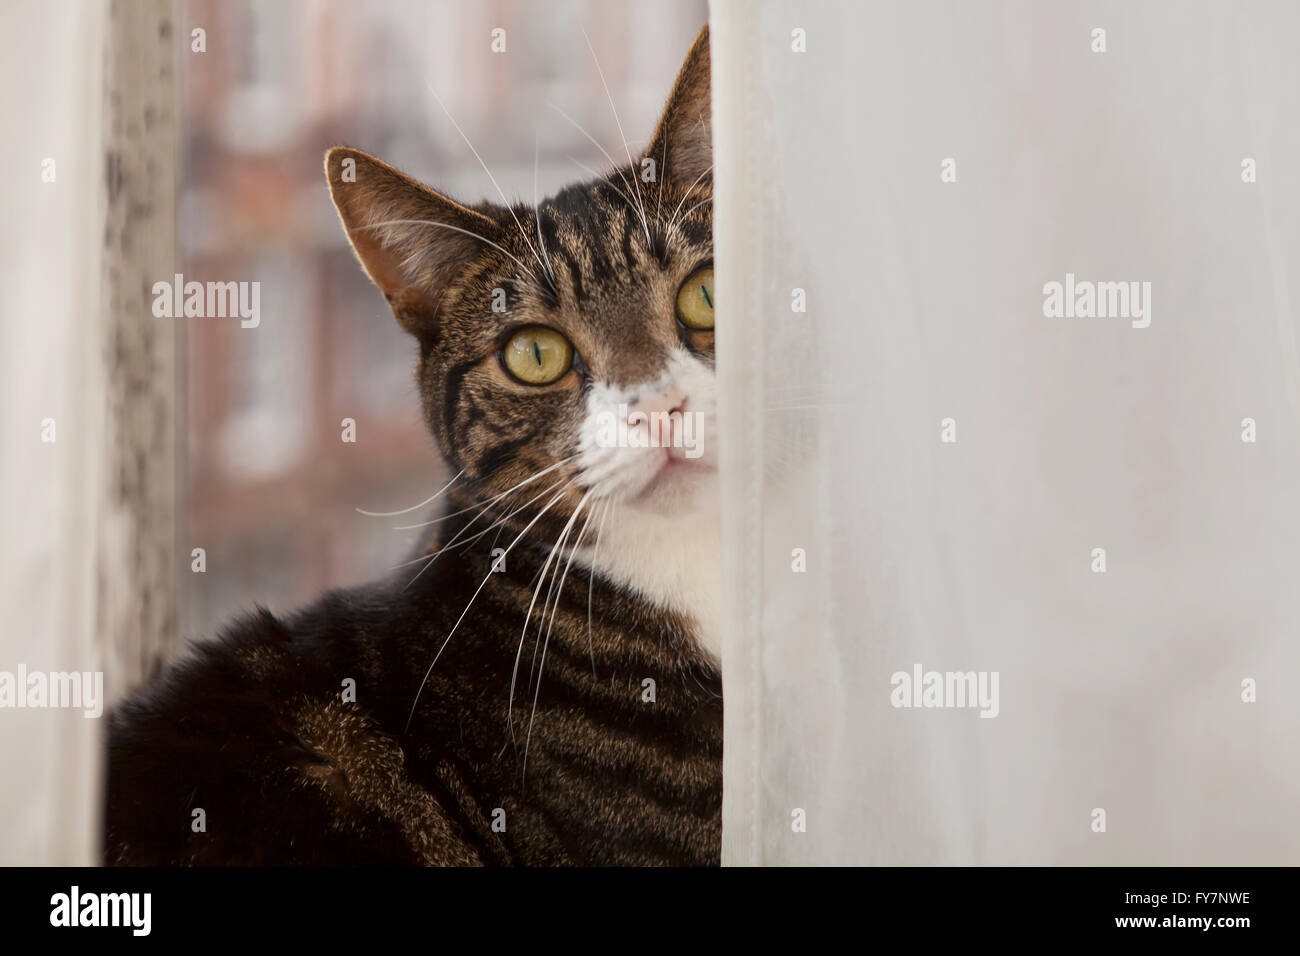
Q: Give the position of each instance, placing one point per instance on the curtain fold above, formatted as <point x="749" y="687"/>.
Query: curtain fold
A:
<point x="1010" y="580"/>
<point x="52" y="392"/>
<point x="88" y="569"/>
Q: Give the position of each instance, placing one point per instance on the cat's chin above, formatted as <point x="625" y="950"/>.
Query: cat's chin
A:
<point x="681" y="486"/>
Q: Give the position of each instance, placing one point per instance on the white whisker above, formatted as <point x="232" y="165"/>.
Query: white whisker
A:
<point x="617" y="122"/>
<point x="677" y="225"/>
<point x="663" y="161"/>
<point x="500" y="191"/>
<point x="467" y="232"/>
<point x="579" y="128"/>
<point x="595" y="175"/>
<point x="591" y="581"/>
<point x="540" y="579"/>
<point x="673" y="217"/>
<point x="492" y="500"/>
<point x="430" y="558"/>
<point x="486" y="578"/>
<point x="537" y="215"/>
<point x="528" y="616"/>
<point x="430" y="499"/>
<point x="538" y="689"/>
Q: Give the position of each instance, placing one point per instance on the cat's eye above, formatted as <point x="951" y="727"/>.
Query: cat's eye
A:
<point x="695" y="301"/>
<point x="537" y="355"/>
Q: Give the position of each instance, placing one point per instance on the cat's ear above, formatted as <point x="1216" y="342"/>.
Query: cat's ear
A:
<point x="683" y="141"/>
<point x="411" y="240"/>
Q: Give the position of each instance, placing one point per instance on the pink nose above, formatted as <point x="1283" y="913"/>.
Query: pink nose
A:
<point x="664" y="403"/>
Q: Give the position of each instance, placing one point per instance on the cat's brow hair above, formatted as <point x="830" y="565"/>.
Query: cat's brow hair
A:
<point x="593" y="234"/>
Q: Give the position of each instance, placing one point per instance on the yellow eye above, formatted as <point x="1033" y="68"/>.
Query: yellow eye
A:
<point x="537" y="355"/>
<point x="695" y="301"/>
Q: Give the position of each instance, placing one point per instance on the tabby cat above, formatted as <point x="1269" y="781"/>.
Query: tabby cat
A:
<point x="540" y="684"/>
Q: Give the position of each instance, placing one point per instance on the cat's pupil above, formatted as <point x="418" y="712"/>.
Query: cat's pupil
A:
<point x="705" y="292"/>
<point x="537" y="353"/>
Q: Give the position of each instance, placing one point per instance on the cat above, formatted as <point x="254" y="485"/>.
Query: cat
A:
<point x="541" y="684"/>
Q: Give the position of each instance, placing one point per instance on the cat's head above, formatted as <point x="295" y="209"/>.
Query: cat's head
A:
<point x="576" y="336"/>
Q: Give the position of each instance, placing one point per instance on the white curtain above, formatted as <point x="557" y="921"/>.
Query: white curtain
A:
<point x="88" y="376"/>
<point x="52" y="393"/>
<point x="1148" y="712"/>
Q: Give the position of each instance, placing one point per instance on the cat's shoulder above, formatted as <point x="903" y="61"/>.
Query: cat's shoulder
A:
<point x="258" y="663"/>
<point x="253" y="750"/>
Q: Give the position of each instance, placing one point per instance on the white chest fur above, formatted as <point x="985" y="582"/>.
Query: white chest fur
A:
<point x="673" y="561"/>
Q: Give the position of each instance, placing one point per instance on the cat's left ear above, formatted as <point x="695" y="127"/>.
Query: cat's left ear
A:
<point x="412" y="241"/>
<point x="682" y="145"/>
